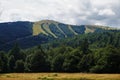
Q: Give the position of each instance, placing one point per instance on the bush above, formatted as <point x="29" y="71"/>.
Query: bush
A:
<point x="96" y="69"/>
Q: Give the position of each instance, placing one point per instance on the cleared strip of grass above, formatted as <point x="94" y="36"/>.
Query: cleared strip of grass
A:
<point x="72" y="30"/>
<point x="89" y="30"/>
<point x="37" y="29"/>
<point x="47" y="29"/>
<point x="58" y="76"/>
<point x="60" y="29"/>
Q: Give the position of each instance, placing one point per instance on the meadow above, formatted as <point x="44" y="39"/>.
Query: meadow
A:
<point x="58" y="76"/>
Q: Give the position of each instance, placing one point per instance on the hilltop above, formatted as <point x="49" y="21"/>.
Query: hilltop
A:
<point x="29" y="34"/>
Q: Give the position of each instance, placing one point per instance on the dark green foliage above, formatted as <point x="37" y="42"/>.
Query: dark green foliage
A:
<point x="71" y="60"/>
<point x="107" y="60"/>
<point x="97" y="53"/>
<point x="79" y="29"/>
<point x="22" y="32"/>
<point x="13" y="30"/>
<point x="96" y="40"/>
<point x="15" y="51"/>
<point x="85" y="46"/>
<point x="66" y="30"/>
<point x="19" y="66"/>
<point x="86" y="63"/>
<point x="38" y="61"/>
<point x="56" y="31"/>
<point x="3" y="62"/>
<point x="57" y="63"/>
<point x="11" y="63"/>
<point x="1" y="65"/>
<point x="28" y="63"/>
<point x="15" y="54"/>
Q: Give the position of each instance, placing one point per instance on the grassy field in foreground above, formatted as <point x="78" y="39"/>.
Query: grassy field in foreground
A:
<point x="58" y="76"/>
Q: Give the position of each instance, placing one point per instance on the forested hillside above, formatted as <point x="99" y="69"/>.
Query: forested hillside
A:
<point x="96" y="40"/>
<point x="29" y="34"/>
<point x="92" y="52"/>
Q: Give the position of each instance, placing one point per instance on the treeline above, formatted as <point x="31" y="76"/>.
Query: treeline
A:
<point x="96" y="40"/>
<point x="61" y="59"/>
<point x="65" y="58"/>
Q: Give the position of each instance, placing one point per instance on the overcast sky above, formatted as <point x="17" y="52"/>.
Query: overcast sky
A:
<point x="98" y="12"/>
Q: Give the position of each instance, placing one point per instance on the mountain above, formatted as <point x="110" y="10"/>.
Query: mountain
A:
<point x="60" y="30"/>
<point x="28" y="34"/>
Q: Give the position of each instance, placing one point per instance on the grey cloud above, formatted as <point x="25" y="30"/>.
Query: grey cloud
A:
<point x="66" y="11"/>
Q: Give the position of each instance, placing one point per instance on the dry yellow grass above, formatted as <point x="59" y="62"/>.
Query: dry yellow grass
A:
<point x="37" y="29"/>
<point x="88" y="30"/>
<point x="58" y="76"/>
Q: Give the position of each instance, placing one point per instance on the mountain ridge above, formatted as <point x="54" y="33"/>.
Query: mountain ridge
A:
<point x="29" y="34"/>
<point x="45" y="29"/>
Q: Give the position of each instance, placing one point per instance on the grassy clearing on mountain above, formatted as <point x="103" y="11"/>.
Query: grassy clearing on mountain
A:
<point x="37" y="29"/>
<point x="58" y="76"/>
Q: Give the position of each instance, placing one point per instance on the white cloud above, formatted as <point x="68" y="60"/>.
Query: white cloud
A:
<point x="99" y="23"/>
<point x="67" y="11"/>
<point x="106" y="12"/>
<point x="103" y="3"/>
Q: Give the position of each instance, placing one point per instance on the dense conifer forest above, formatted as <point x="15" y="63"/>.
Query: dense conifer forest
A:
<point x="92" y="52"/>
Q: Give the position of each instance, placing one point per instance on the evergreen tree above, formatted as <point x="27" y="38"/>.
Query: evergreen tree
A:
<point x="71" y="60"/>
<point x="85" y="46"/>
<point x="19" y="66"/>
<point x="39" y="61"/>
<point x="28" y="63"/>
<point x="86" y="63"/>
<point x="3" y="62"/>
<point x="107" y="60"/>
<point x="1" y="66"/>
<point x="11" y="63"/>
<point x="57" y="63"/>
<point x="16" y="52"/>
